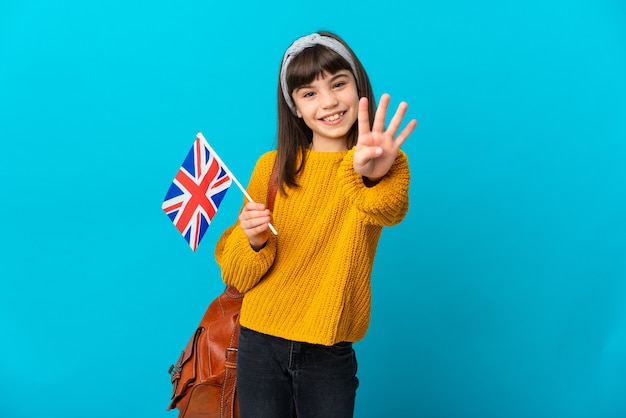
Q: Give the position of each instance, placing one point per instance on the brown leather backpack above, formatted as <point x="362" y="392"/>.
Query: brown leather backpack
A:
<point x="204" y="377"/>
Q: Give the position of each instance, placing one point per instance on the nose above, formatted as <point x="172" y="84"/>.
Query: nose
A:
<point x="329" y="99"/>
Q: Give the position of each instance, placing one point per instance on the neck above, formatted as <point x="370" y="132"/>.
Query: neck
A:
<point x="328" y="146"/>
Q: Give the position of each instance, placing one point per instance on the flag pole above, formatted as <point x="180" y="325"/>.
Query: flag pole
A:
<point x="232" y="176"/>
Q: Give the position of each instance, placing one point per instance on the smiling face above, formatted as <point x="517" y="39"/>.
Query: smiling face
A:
<point x="329" y="107"/>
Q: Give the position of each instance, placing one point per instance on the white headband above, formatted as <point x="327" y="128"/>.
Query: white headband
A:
<point x="306" y="42"/>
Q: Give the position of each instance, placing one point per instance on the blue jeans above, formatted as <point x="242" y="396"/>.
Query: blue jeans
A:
<point x="277" y="376"/>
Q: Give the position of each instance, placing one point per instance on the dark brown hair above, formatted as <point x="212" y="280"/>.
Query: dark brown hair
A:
<point x="294" y="137"/>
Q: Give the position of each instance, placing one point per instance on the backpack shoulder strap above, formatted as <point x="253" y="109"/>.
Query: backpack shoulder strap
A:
<point x="272" y="187"/>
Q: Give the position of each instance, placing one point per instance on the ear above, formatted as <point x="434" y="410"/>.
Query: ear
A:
<point x="299" y="113"/>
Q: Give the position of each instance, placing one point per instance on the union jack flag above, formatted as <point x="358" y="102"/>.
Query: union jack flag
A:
<point x="197" y="191"/>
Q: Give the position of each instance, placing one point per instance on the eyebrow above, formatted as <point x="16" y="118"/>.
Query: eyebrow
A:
<point x="332" y="79"/>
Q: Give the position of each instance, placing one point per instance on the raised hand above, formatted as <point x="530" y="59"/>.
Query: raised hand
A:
<point x="376" y="148"/>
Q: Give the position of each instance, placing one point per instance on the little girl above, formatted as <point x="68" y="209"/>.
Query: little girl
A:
<point x="341" y="178"/>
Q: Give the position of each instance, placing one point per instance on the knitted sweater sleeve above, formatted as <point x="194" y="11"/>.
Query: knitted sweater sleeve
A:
<point x="385" y="203"/>
<point x="242" y="267"/>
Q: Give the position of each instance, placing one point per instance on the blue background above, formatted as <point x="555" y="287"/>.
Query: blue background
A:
<point x="502" y="294"/>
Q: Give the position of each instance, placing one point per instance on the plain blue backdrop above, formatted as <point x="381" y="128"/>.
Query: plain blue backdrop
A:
<point x="503" y="292"/>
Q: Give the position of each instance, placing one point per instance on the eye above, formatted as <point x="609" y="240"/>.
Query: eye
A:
<point x="308" y="94"/>
<point x="339" y="84"/>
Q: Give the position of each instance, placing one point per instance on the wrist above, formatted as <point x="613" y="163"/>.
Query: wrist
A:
<point x="371" y="181"/>
<point x="258" y="247"/>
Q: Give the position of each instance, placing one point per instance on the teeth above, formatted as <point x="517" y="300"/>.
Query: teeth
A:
<point x="333" y="117"/>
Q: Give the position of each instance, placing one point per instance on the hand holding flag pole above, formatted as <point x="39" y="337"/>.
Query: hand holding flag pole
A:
<point x="197" y="191"/>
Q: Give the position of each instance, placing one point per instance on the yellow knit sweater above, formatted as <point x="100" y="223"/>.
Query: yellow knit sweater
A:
<point x="311" y="283"/>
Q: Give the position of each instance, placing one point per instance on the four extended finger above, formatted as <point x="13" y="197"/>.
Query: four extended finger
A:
<point x="379" y="120"/>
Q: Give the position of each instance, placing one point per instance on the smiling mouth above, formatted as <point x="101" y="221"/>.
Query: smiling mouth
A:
<point x="334" y="117"/>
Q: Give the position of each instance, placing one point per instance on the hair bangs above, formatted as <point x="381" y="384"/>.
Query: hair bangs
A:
<point x="311" y="63"/>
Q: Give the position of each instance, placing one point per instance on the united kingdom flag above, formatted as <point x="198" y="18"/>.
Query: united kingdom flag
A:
<point x="197" y="191"/>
